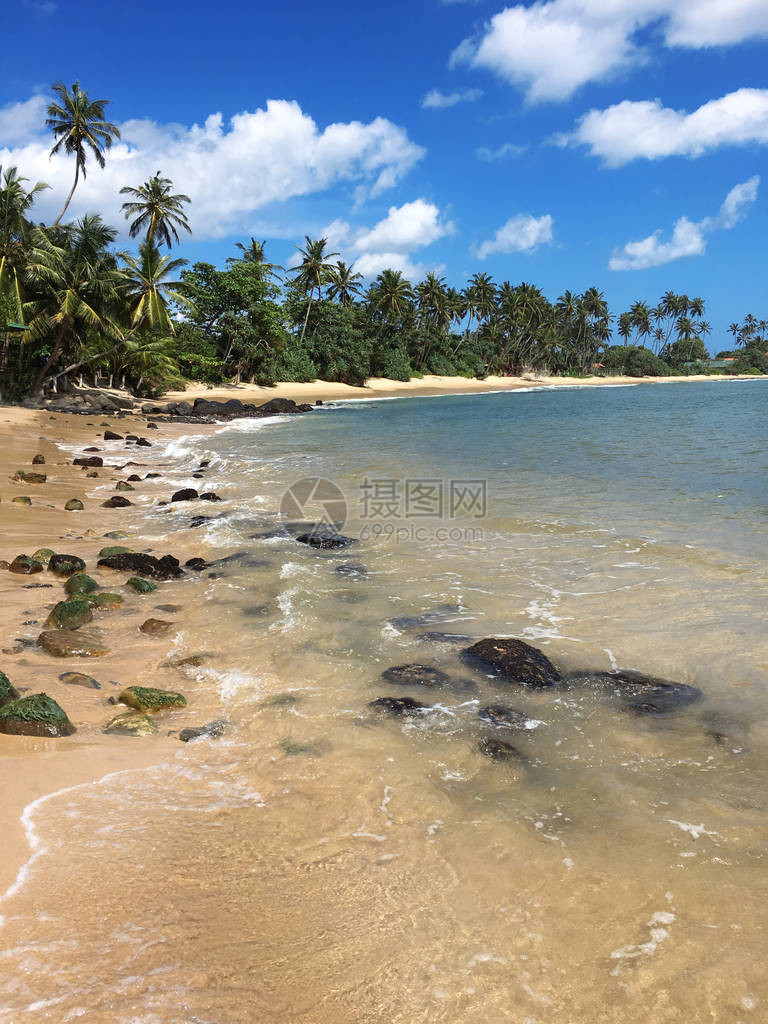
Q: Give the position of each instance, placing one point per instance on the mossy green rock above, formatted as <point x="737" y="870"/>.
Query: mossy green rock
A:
<point x="140" y="586"/>
<point x="114" y="549"/>
<point x="42" y="555"/>
<point x="74" y="505"/>
<point x="131" y="723"/>
<point x="22" y="499"/>
<point x="65" y="565"/>
<point x="23" y="565"/>
<point x="80" y="679"/>
<point x="70" y="614"/>
<point x="104" y="602"/>
<point x="80" y="583"/>
<point x="116" y="535"/>
<point x="68" y="643"/>
<point x="28" y="477"/>
<point x="37" y="715"/>
<point x="8" y="692"/>
<point x="151" y="700"/>
<point x="122" y="485"/>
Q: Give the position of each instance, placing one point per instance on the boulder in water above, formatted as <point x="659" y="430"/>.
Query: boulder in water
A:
<point x="80" y="583"/>
<point x="415" y="675"/>
<point x="131" y="723"/>
<point x="91" y="461"/>
<point x="36" y="715"/>
<point x="498" y="750"/>
<point x="104" y="601"/>
<point x="38" y="460"/>
<point x="140" y="586"/>
<point x="151" y="700"/>
<point x="212" y="731"/>
<point x="165" y="568"/>
<point x="397" y="706"/>
<point x="155" y="627"/>
<point x="28" y="477"/>
<point x="325" y="537"/>
<point x="65" y="643"/>
<point x="514" y="661"/>
<point x="116" y="501"/>
<point x="79" y="679"/>
<point x="70" y="614"/>
<point x="21" y="499"/>
<point x="74" y="505"/>
<point x="110" y="435"/>
<point x="185" y="494"/>
<point x="647" y="695"/>
<point x="23" y="565"/>
<point x="502" y="717"/>
<point x="65" y="565"/>
<point x="8" y="691"/>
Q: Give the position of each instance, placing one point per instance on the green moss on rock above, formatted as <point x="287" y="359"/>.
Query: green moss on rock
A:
<point x="131" y="723"/>
<point x="65" y="565"/>
<point x="23" y="565"/>
<point x="29" y="477"/>
<point x="116" y="535"/>
<point x="22" y="499"/>
<point x="74" y="505"/>
<point x="151" y="700"/>
<point x="80" y="583"/>
<point x="42" y="555"/>
<point x="36" y="715"/>
<point x="70" y="614"/>
<point x="8" y="691"/>
<point x="114" y="549"/>
<point x="104" y="602"/>
<point x="140" y="586"/>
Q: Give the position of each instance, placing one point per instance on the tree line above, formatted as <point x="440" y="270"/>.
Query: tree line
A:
<point x="74" y="306"/>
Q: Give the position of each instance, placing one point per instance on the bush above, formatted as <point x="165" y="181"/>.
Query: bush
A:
<point x="397" y="365"/>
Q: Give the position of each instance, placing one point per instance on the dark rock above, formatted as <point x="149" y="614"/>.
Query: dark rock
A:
<point x="319" y="401"/>
<point x="198" y="476"/>
<point x="38" y="586"/>
<point x="155" y="627"/>
<point x="8" y="692"/>
<point x="21" y="499"/>
<point x="38" y="460"/>
<point x="91" y="461"/>
<point x="640" y="693"/>
<point x="165" y="568"/>
<point x="64" y="643"/>
<point x="408" y="622"/>
<point x="152" y="476"/>
<point x="172" y="609"/>
<point x="185" y="494"/>
<point x="197" y="521"/>
<point x="213" y="730"/>
<point x="70" y="614"/>
<point x="28" y="477"/>
<point x="152" y="426"/>
<point x="498" y="750"/>
<point x="65" y="565"/>
<point x="514" y="661"/>
<point x="325" y="537"/>
<point x="23" y="565"/>
<point x="132" y="437"/>
<point x="92" y="449"/>
<point x="502" y="716"/>
<point x="110" y="435"/>
<point x="80" y="679"/>
<point x="415" y="675"/>
<point x="143" y="443"/>
<point x="198" y="564"/>
<point x="36" y="715"/>
<point x="205" y="464"/>
<point x="351" y="569"/>
<point x="74" y="505"/>
<point x="92" y="473"/>
<point x="117" y="501"/>
<point x="434" y="637"/>
<point x="123" y="485"/>
<point x="397" y="706"/>
<point x="210" y="496"/>
<point x="134" y="478"/>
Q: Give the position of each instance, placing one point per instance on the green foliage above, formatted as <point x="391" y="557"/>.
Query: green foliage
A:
<point x="752" y="360"/>
<point x="633" y="361"/>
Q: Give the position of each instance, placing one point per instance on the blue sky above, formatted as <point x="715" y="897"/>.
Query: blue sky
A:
<point x="617" y="143"/>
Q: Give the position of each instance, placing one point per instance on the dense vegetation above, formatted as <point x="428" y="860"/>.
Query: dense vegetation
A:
<point x="148" y="320"/>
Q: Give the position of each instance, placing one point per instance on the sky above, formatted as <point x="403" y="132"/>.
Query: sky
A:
<point x="567" y="143"/>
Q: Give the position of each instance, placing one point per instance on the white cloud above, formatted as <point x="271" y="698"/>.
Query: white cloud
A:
<point x="391" y="242"/>
<point x="230" y="170"/>
<point x="688" y="237"/>
<point x="508" y="149"/>
<point x="18" y="121"/>
<point x="553" y="47"/>
<point x="632" y="130"/>
<point x="440" y="100"/>
<point x="522" y="233"/>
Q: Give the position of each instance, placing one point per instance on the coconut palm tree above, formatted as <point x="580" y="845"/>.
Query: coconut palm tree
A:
<point x="149" y="288"/>
<point x="313" y="271"/>
<point x="343" y="283"/>
<point x="75" y="285"/>
<point x="254" y="254"/>
<point x="78" y="125"/>
<point x="15" y="230"/>
<point x="391" y="295"/>
<point x="157" y="210"/>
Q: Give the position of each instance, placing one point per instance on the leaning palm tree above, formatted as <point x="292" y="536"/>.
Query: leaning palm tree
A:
<point x="313" y="271"/>
<point x="343" y="283"/>
<point x="78" y="125"/>
<point x="157" y="210"/>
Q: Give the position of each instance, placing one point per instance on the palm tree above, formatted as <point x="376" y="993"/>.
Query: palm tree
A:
<point x="156" y="210"/>
<point x="78" y="125"/>
<point x="391" y="294"/>
<point x="76" y="288"/>
<point x="343" y="283"/>
<point x="313" y="271"/>
<point x="254" y="254"/>
<point x="149" y="288"/>
<point x="15" y="230"/>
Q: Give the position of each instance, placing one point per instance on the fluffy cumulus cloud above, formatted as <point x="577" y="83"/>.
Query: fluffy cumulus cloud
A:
<point x="553" y="47"/>
<point x="229" y="169"/>
<point x="390" y="243"/>
<point x="522" y="233"/>
<point x="440" y="100"/>
<point x="688" y="237"/>
<point x="632" y="130"/>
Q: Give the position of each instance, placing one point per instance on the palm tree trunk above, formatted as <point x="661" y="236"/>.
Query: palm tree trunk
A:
<point x="51" y="359"/>
<point x="306" y="318"/>
<point x="71" y="193"/>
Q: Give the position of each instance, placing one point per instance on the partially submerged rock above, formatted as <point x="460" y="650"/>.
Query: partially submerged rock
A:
<point x="91" y="461"/>
<point x="8" y="691"/>
<point x="351" y="569"/>
<point x="140" y="586"/>
<point x="131" y="723"/>
<point x="43" y="555"/>
<point x="65" y="643"/>
<point x="65" y="565"/>
<point x="502" y="716"/>
<point x="185" y="494"/>
<point x="70" y="614"/>
<point x="36" y="715"/>
<point x="165" y="568"/>
<point x="74" y="505"/>
<point x="155" y="627"/>
<point x="114" y="549"/>
<point x="123" y="485"/>
<point x="397" y="706"/>
<point x="514" y="661"/>
<point x="38" y="460"/>
<point x="104" y="601"/>
<point x="637" y="692"/>
<point x="151" y="700"/>
<point x="27" y="476"/>
<point x="211" y="731"/>
<point x="79" y="679"/>
<point x="110" y="435"/>
<point x="498" y="750"/>
<point x="116" y="501"/>
<point x="325" y="537"/>
<point x="415" y="675"/>
<point x="23" y="565"/>
<point x="80" y="583"/>
<point x="21" y="499"/>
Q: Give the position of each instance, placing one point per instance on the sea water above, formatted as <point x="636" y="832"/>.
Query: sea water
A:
<point x="320" y="862"/>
